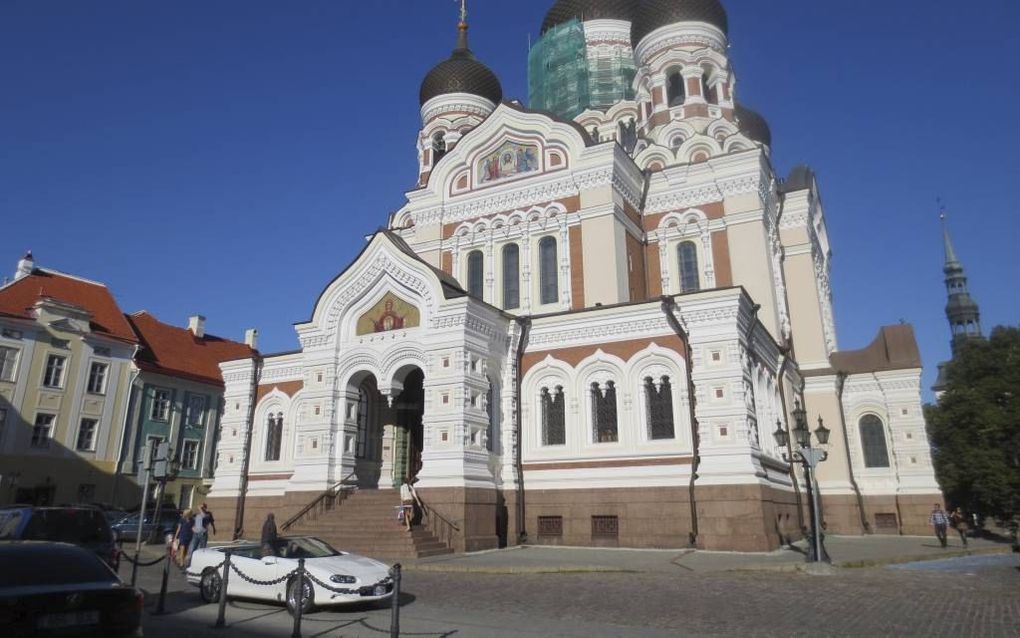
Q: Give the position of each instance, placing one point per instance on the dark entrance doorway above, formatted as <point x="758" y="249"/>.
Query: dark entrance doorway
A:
<point x="410" y="407"/>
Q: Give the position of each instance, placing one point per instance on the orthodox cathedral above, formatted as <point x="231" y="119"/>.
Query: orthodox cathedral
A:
<point x="586" y="323"/>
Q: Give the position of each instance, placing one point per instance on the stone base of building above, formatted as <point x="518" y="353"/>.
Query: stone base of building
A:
<point x="746" y="518"/>
<point x="883" y="514"/>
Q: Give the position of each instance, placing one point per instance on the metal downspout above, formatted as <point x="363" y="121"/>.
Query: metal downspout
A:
<point x="840" y="383"/>
<point x="256" y="376"/>
<point x="668" y="305"/>
<point x="525" y="324"/>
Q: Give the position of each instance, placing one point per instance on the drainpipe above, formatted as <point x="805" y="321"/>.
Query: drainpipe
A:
<point x="840" y="383"/>
<point x="125" y="425"/>
<point x="522" y="531"/>
<point x="785" y="361"/>
<point x="256" y="360"/>
<point x="668" y="308"/>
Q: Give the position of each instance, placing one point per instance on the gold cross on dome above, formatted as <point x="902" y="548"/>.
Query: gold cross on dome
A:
<point x="463" y="11"/>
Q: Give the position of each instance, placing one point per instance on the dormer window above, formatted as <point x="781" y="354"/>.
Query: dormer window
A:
<point x="676" y="91"/>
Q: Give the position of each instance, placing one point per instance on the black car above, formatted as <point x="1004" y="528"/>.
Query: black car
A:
<point x="57" y="589"/>
<point x="82" y="526"/>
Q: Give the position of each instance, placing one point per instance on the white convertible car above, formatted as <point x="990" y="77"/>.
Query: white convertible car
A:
<point x="347" y="577"/>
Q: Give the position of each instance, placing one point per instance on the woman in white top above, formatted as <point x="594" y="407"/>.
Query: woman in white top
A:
<point x="408" y="497"/>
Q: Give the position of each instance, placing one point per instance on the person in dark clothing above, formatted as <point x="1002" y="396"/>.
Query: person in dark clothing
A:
<point x="269" y="536"/>
<point x="182" y="537"/>
<point x="959" y="522"/>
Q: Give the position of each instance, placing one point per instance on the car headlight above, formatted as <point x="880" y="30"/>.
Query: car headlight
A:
<point x="343" y="579"/>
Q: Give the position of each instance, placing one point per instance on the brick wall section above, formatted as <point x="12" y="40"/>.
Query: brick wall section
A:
<point x="576" y="267"/>
<point x="623" y="349"/>
<point x="636" y="275"/>
<point x="653" y="270"/>
<point x="721" y="256"/>
<point x="290" y="388"/>
<point x="448" y="263"/>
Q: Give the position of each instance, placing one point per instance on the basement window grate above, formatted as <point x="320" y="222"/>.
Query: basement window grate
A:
<point x="550" y="526"/>
<point x="605" y="527"/>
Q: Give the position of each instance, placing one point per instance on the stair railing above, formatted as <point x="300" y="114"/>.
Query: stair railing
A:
<point x="333" y="496"/>
<point x="440" y="526"/>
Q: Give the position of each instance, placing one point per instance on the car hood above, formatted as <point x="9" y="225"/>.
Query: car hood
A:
<point x="366" y="570"/>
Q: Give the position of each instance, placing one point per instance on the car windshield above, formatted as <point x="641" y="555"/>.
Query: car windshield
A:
<point x="9" y="521"/>
<point x="67" y="525"/>
<point x="303" y="548"/>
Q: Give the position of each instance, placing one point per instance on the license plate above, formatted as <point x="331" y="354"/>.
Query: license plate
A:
<point x="71" y="619"/>
<point x="380" y="590"/>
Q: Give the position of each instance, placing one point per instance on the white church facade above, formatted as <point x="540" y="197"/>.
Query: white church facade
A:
<point x="586" y="322"/>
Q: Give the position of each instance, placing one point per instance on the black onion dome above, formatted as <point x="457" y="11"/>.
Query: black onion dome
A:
<point x="753" y="125"/>
<point x="461" y="73"/>
<point x="566" y="10"/>
<point x="659" y="13"/>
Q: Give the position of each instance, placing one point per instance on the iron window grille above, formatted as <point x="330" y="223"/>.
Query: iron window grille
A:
<point x="550" y="526"/>
<point x="659" y="409"/>
<point x="554" y="431"/>
<point x="603" y="409"/>
<point x="605" y="527"/>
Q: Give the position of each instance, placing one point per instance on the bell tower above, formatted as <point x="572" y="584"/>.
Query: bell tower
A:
<point x="961" y="309"/>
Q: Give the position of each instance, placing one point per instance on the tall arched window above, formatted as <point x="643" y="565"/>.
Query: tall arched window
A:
<point x="554" y="427"/>
<point x="438" y="147"/>
<point x="676" y="91"/>
<point x="274" y="436"/>
<point x="511" y="276"/>
<point x="687" y="253"/>
<point x="707" y="91"/>
<point x="876" y="454"/>
<point x="603" y="413"/>
<point x="659" y="407"/>
<point x="548" y="276"/>
<point x="476" y="274"/>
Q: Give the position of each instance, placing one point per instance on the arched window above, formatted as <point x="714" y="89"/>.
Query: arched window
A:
<point x="876" y="454"/>
<point x="659" y="408"/>
<point x="554" y="428"/>
<point x="361" y="447"/>
<point x="676" y="92"/>
<point x="687" y="253"/>
<point x="548" y="276"/>
<point x="274" y="436"/>
<point x="707" y="91"/>
<point x="511" y="276"/>
<point x="476" y="274"/>
<point x="603" y="413"/>
<point x="438" y="147"/>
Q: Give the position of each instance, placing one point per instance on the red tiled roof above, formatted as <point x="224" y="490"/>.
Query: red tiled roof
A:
<point x="895" y="348"/>
<point x="17" y="299"/>
<point x="290" y="388"/>
<point x="177" y="352"/>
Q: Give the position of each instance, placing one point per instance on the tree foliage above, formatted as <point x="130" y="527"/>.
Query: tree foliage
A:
<point x="975" y="427"/>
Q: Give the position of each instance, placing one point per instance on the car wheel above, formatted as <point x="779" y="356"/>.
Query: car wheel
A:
<point x="300" y="589"/>
<point x="209" y="586"/>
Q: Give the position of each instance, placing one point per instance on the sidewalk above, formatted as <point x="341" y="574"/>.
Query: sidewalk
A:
<point x="845" y="551"/>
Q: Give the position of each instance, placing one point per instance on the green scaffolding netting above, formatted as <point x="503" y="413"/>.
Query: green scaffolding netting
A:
<point x="562" y="78"/>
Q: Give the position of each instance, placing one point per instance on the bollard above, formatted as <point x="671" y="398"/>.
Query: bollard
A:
<point x="299" y="608"/>
<point x="162" y="587"/>
<point x="134" y="568"/>
<point x="395" y="603"/>
<point x="221" y="616"/>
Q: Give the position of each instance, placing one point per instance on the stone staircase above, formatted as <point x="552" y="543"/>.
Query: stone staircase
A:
<point x="365" y="522"/>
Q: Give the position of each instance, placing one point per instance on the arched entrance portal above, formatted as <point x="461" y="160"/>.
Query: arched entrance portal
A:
<point x="389" y="434"/>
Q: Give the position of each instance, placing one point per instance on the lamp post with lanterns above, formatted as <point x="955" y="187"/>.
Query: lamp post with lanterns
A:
<point x="809" y="457"/>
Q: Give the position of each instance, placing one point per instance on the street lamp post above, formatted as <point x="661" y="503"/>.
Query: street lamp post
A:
<point x="809" y="457"/>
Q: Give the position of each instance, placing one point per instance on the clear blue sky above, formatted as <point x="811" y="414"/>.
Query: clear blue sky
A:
<point x="226" y="158"/>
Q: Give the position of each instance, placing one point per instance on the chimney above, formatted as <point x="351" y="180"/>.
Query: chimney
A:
<point x="251" y="338"/>
<point x="196" y="324"/>
<point x="25" y="266"/>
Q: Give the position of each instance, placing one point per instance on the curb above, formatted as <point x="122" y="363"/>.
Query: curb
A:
<point x="453" y="569"/>
<point x="900" y="560"/>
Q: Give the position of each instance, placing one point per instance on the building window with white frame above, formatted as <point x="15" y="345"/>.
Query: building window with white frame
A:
<point x="8" y="363"/>
<point x="189" y="455"/>
<point x="87" y="435"/>
<point x="511" y="277"/>
<point x="476" y="274"/>
<point x="186" y="495"/>
<point x="154" y="443"/>
<point x="659" y="408"/>
<point x="548" y="271"/>
<point x="160" y="405"/>
<point x="97" y="377"/>
<point x="603" y="413"/>
<point x="876" y="453"/>
<point x="554" y="430"/>
<point x="42" y="431"/>
<point x="54" y="375"/>
<point x="196" y="410"/>
<point x="274" y="436"/>
<point x="687" y="259"/>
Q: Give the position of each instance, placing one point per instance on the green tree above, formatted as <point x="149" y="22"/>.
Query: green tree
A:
<point x="975" y="427"/>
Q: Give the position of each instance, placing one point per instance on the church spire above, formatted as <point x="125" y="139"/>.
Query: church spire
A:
<point x="462" y="28"/>
<point x="961" y="310"/>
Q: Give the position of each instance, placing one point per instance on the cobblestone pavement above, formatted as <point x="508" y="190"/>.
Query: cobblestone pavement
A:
<point x="964" y="597"/>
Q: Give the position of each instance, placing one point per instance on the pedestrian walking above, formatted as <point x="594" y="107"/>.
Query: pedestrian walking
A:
<point x="408" y="498"/>
<point x="269" y="536"/>
<point x="202" y="523"/>
<point x="182" y="537"/>
<point x="940" y="522"/>
<point x="959" y="522"/>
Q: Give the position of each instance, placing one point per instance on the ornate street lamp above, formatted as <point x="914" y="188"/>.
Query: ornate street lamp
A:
<point x="809" y="458"/>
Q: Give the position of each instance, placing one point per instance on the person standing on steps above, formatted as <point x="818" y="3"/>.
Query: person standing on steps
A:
<point x="408" y="499"/>
<point x="959" y="522"/>
<point x="940" y="522"/>
<point x="269" y="536"/>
